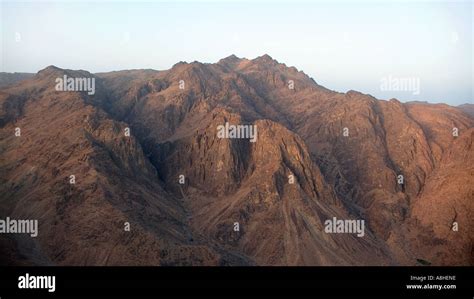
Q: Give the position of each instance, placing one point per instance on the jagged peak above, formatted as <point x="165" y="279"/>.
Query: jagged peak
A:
<point x="179" y="64"/>
<point x="188" y="65"/>
<point x="265" y="59"/>
<point x="49" y="69"/>
<point x="56" y="71"/>
<point x="231" y="58"/>
<point x="231" y="61"/>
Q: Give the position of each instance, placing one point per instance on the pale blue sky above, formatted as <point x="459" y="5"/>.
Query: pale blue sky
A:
<point x="343" y="45"/>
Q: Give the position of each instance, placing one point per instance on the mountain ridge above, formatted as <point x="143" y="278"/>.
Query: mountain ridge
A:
<point x="173" y="133"/>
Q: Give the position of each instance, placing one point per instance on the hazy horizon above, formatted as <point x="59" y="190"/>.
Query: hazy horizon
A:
<point x="342" y="45"/>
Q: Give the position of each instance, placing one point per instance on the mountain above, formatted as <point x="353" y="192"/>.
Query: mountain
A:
<point x="12" y="78"/>
<point x="194" y="198"/>
<point x="467" y="108"/>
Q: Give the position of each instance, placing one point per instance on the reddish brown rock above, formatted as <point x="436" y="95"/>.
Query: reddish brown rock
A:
<point x="173" y="116"/>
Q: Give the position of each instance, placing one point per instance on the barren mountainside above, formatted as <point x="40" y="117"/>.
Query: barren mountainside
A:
<point x="7" y="79"/>
<point x="184" y="190"/>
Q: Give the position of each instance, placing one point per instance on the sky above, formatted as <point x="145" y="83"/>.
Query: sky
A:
<point x="368" y="46"/>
